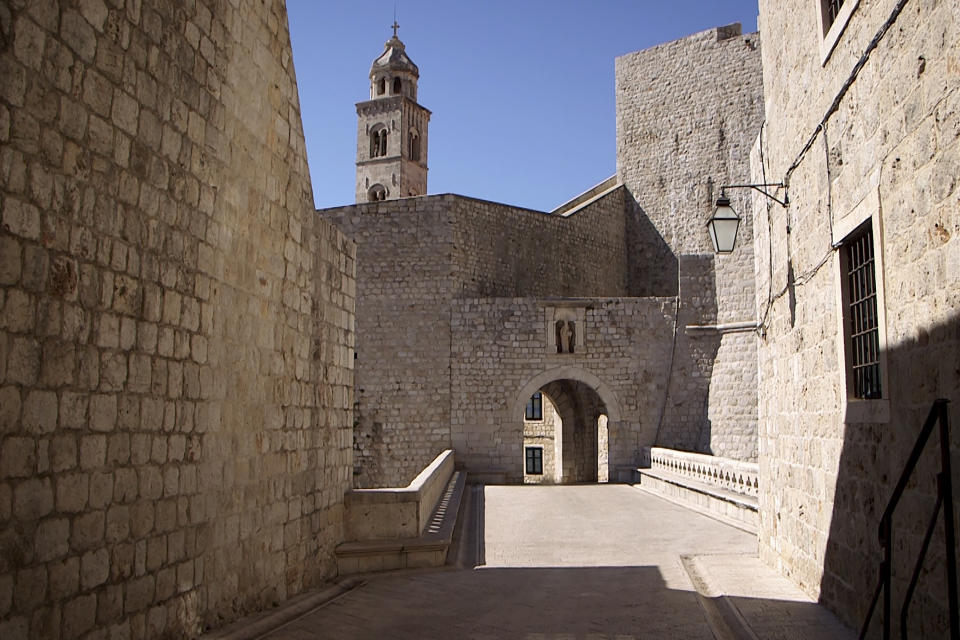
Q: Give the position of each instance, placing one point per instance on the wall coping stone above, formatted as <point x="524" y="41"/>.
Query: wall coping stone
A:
<point x="398" y="512"/>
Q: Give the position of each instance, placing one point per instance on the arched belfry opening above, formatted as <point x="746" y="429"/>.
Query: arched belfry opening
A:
<point x="566" y="421"/>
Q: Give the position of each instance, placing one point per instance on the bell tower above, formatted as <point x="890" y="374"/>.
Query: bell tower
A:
<point x="392" y="129"/>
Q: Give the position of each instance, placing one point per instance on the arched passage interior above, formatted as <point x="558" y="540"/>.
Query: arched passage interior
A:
<point x="585" y="406"/>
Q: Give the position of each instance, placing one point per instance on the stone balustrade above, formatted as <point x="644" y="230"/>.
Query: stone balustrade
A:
<point x="733" y="475"/>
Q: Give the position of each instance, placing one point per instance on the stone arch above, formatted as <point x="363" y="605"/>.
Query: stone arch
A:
<point x="566" y="372"/>
<point x="413" y="144"/>
<point x="378" y="140"/>
<point x="581" y="401"/>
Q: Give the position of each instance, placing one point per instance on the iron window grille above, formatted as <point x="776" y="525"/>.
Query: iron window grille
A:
<point x="534" y="410"/>
<point x="534" y="456"/>
<point x="830" y="10"/>
<point x="863" y="322"/>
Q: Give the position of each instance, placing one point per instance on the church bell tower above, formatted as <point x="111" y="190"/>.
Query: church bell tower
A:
<point x="392" y="129"/>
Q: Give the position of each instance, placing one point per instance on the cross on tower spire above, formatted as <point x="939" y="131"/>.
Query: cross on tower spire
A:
<point x="395" y="27"/>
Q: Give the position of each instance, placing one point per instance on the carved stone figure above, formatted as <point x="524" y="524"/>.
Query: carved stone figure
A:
<point x="566" y="331"/>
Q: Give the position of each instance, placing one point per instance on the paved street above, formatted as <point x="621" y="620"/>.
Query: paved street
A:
<point x="587" y="561"/>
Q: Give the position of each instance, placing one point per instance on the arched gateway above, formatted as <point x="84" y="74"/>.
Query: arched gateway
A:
<point x="589" y="418"/>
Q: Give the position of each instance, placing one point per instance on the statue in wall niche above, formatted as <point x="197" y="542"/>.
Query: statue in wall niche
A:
<point x="566" y="336"/>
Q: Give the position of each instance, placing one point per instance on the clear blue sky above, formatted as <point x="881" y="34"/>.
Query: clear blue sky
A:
<point x="522" y="91"/>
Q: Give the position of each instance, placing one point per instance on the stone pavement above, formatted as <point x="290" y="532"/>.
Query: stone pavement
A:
<point x="586" y="561"/>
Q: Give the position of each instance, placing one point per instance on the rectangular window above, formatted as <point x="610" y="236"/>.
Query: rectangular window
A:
<point x="862" y="322"/>
<point x="833" y="17"/>
<point x="534" y="457"/>
<point x="534" y="409"/>
<point x="830" y="8"/>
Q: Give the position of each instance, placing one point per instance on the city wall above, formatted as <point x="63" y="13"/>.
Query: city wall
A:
<point x="687" y="114"/>
<point x="501" y="356"/>
<point x="176" y="323"/>
<point x="416" y="258"/>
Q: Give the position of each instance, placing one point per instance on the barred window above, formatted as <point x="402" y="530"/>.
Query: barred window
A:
<point x="862" y="322"/>
<point x="534" y="409"/>
<point x="534" y="457"/>
<point x="830" y="10"/>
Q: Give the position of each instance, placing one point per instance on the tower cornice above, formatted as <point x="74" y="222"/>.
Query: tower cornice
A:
<point x="378" y="105"/>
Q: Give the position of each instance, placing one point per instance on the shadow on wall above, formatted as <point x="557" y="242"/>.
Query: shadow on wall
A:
<point x="656" y="271"/>
<point x="871" y="462"/>
<point x="653" y="267"/>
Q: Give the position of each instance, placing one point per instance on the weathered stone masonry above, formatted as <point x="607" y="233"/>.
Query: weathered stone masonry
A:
<point x="417" y="256"/>
<point x="176" y="324"/>
<point x="500" y="357"/>
<point x="889" y="154"/>
<point x="420" y="258"/>
<point x="687" y="114"/>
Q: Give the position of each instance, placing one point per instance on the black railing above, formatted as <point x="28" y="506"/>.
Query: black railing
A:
<point x="938" y="416"/>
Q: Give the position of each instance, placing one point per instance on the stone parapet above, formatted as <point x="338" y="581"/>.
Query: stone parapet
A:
<point x="397" y="512"/>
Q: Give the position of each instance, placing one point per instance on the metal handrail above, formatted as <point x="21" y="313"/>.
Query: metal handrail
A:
<point x="937" y="416"/>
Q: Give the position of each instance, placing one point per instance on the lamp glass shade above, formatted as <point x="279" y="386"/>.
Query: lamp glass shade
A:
<point x="723" y="227"/>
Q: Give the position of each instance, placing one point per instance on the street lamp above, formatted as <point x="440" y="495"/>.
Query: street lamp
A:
<point x="725" y="223"/>
<point x="723" y="226"/>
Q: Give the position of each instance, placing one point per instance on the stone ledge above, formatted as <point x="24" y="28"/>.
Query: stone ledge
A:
<point x="427" y="550"/>
<point x="735" y="509"/>
<point x="397" y="512"/>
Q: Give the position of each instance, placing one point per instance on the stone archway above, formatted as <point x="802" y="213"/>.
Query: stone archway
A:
<point x="581" y="400"/>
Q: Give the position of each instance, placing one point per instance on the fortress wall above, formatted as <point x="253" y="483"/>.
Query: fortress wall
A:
<point x="501" y="344"/>
<point x="889" y="154"/>
<point x="688" y="112"/>
<point x="504" y="251"/>
<point x="175" y="322"/>
<point x="404" y="285"/>
<point x="415" y="256"/>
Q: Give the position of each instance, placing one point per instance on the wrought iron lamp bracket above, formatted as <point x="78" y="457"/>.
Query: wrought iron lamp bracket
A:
<point x="762" y="189"/>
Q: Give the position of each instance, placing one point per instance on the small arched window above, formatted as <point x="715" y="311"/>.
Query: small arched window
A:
<point x="377" y="193"/>
<point x="378" y="142"/>
<point x="396" y="85"/>
<point x="414" y="146"/>
<point x="382" y="86"/>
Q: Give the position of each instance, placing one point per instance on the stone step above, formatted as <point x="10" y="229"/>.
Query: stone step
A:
<point x="429" y="549"/>
<point x="733" y="508"/>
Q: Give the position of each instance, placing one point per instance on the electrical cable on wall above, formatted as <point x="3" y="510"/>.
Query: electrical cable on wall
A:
<point x="820" y="128"/>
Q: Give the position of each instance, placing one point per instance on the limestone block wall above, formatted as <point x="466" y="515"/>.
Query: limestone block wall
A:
<point x="415" y="257"/>
<point x="889" y="154"/>
<point x="176" y="325"/>
<point x="500" y="357"/>
<point x="504" y="251"/>
<point x="402" y="384"/>
<point x="687" y="114"/>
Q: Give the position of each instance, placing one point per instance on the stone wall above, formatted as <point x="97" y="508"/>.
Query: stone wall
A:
<point x="889" y="153"/>
<point x="416" y="257"/>
<point x="687" y="114"/>
<point x="501" y="356"/>
<point x="504" y="251"/>
<point x="402" y="383"/>
<point x="175" y="322"/>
